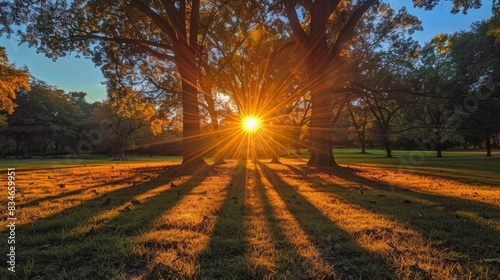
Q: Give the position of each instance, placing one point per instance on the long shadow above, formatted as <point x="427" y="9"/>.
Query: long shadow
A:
<point x="352" y="256"/>
<point x="383" y="186"/>
<point x="440" y="216"/>
<point x="290" y="265"/>
<point x="224" y="257"/>
<point x="436" y="171"/>
<point x="144" y="214"/>
<point x="79" y="191"/>
<point x="53" y="254"/>
<point x="91" y="207"/>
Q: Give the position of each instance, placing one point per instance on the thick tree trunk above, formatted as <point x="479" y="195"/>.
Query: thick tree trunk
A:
<point x="439" y="153"/>
<point x="321" y="110"/>
<point x="363" y="148"/>
<point x="121" y="155"/>
<point x="193" y="150"/>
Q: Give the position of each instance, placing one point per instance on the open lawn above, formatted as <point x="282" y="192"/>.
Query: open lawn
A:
<point x="149" y="218"/>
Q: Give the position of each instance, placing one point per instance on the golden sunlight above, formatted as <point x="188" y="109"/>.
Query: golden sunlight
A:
<point x="250" y="124"/>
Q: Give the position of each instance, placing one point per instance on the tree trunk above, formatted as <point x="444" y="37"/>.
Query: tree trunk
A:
<point x="27" y="142"/>
<point x="206" y="84"/>
<point x="439" y="153"/>
<point x="388" y="149"/>
<point x="219" y="154"/>
<point x="439" y="147"/>
<point x="45" y="146"/>
<point x="275" y="158"/>
<point x="193" y="150"/>
<point x="488" y="146"/>
<point x="18" y="145"/>
<point x="362" y="140"/>
<point x="121" y="155"/>
<point x="318" y="68"/>
<point x="56" y="149"/>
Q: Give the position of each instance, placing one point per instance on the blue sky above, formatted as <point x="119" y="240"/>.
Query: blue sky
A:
<point x="79" y="74"/>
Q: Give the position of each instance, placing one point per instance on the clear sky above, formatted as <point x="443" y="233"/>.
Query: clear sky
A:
<point x="79" y="74"/>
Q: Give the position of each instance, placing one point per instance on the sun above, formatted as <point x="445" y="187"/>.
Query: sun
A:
<point x="250" y="124"/>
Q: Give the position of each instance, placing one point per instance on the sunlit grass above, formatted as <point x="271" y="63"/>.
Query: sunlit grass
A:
<point x="367" y="215"/>
<point x="243" y="220"/>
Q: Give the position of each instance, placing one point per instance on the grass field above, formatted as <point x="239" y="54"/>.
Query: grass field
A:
<point x="410" y="217"/>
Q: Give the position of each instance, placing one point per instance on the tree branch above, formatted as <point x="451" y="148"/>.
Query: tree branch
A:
<point x="193" y="25"/>
<point x="160" y="21"/>
<point x="298" y="31"/>
<point x="142" y="44"/>
<point x="348" y="28"/>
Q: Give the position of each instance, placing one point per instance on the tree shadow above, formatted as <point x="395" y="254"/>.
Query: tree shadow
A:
<point x="348" y="261"/>
<point x="224" y="257"/>
<point x="95" y="186"/>
<point x="450" y="220"/>
<point x="287" y="266"/>
<point x="444" y="168"/>
<point x="101" y="252"/>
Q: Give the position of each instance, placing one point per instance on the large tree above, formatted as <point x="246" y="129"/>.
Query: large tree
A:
<point x="145" y="36"/>
<point x="322" y="28"/>
<point x="321" y="50"/>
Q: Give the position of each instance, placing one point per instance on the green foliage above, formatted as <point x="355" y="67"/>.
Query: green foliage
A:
<point x="477" y="54"/>
<point x="125" y="121"/>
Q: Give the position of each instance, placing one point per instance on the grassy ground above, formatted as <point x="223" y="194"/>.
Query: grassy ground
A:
<point x="374" y="218"/>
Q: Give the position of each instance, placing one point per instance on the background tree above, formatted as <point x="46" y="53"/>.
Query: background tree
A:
<point x="361" y="119"/>
<point x="127" y="120"/>
<point x="47" y="115"/>
<point x="436" y="81"/>
<point x="477" y="54"/>
<point x="379" y="64"/>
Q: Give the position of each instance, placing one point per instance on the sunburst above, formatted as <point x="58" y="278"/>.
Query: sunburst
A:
<point x="250" y="124"/>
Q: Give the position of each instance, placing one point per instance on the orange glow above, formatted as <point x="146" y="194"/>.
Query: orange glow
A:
<point x="250" y="124"/>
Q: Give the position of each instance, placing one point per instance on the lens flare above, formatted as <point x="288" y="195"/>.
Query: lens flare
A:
<point x="250" y="124"/>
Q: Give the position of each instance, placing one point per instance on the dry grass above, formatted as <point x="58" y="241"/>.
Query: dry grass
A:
<point x="246" y="221"/>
